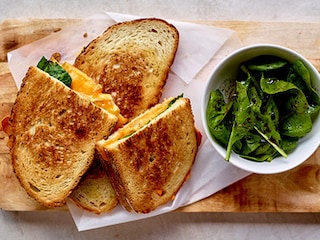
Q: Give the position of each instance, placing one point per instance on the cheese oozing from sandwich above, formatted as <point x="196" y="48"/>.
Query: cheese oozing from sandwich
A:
<point x="85" y="86"/>
<point x="138" y="123"/>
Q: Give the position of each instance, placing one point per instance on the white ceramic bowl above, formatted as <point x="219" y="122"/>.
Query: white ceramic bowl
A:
<point x="227" y="69"/>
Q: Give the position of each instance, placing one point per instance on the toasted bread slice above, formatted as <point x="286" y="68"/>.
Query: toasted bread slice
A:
<point x="131" y="60"/>
<point x="133" y="67"/>
<point x="53" y="136"/>
<point x="150" y="158"/>
<point x="95" y="193"/>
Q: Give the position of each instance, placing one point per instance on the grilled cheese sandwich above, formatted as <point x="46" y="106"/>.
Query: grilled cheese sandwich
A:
<point x="150" y="158"/>
<point x="53" y="132"/>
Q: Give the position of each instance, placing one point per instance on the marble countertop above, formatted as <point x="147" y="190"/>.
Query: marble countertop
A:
<point x="271" y="10"/>
<point x="60" y="225"/>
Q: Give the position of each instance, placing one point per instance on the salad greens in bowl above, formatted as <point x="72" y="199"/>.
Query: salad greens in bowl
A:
<point x="260" y="109"/>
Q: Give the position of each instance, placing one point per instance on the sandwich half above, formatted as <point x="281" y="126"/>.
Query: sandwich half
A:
<point x="150" y="158"/>
<point x="95" y="193"/>
<point x="131" y="60"/>
<point x="53" y="135"/>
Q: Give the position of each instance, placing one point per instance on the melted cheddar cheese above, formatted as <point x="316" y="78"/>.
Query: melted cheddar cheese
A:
<point x="137" y="123"/>
<point x="85" y="86"/>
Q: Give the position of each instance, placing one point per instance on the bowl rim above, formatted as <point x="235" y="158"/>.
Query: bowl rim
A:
<point x="251" y="166"/>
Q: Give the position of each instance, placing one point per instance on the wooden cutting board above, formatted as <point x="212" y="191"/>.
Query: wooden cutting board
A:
<point x="297" y="190"/>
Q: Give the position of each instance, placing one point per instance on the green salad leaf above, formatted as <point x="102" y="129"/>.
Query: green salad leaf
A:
<point x="273" y="107"/>
<point x="55" y="70"/>
<point x="217" y="116"/>
<point x="174" y="100"/>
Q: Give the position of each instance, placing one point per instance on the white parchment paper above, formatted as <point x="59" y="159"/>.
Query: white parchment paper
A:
<point x="200" y="48"/>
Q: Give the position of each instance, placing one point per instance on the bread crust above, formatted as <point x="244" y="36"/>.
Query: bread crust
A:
<point x="131" y="60"/>
<point x="95" y="193"/>
<point x="149" y="167"/>
<point x="54" y="131"/>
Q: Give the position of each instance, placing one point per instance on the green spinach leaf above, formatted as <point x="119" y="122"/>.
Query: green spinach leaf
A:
<point x="273" y="108"/>
<point x="301" y="69"/>
<point x="296" y="125"/>
<point x="55" y="70"/>
<point x="243" y="115"/>
<point x="217" y="117"/>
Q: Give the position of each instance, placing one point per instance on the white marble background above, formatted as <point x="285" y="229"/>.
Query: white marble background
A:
<point x="59" y="225"/>
<point x="268" y="10"/>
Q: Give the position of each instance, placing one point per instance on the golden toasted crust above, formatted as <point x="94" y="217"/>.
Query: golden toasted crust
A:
<point x="131" y="60"/>
<point x="54" y="131"/>
<point x="149" y="167"/>
<point x="95" y="193"/>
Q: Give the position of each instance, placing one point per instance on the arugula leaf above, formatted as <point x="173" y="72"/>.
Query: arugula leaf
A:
<point x="55" y="70"/>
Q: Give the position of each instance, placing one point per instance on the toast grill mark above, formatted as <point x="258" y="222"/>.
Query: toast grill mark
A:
<point x="154" y="169"/>
<point x="125" y="76"/>
<point x="52" y="151"/>
<point x="81" y="132"/>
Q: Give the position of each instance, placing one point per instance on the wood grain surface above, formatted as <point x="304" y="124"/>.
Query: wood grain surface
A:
<point x="297" y="190"/>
